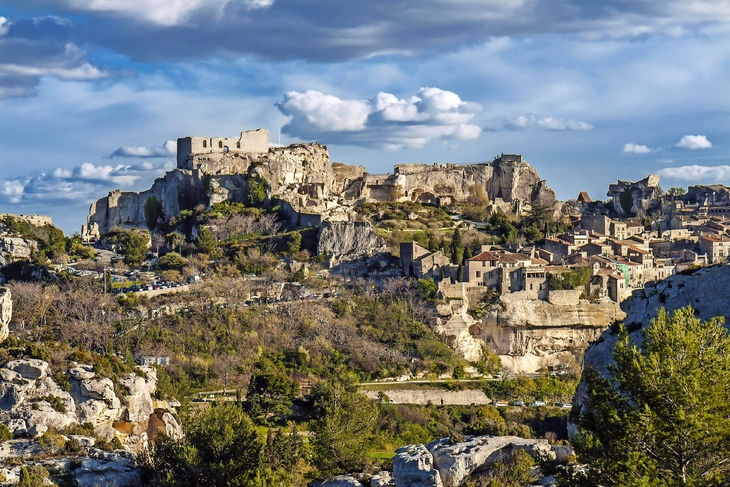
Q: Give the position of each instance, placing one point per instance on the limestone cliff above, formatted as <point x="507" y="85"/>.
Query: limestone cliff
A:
<point x="528" y="334"/>
<point x="630" y="198"/>
<point x="348" y="240"/>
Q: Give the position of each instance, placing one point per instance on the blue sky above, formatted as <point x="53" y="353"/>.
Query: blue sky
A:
<point x="92" y="91"/>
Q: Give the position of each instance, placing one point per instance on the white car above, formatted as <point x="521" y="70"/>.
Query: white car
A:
<point x="538" y="403"/>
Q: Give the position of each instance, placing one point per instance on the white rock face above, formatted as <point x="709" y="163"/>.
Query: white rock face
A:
<point x="526" y="333"/>
<point x="348" y="240"/>
<point x="31" y="403"/>
<point x="413" y="467"/>
<point x="455" y="463"/>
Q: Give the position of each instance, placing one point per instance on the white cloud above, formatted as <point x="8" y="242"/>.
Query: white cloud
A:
<point x="80" y="183"/>
<point x="4" y="25"/>
<point x="166" y="13"/>
<point x="636" y="148"/>
<point x="530" y="121"/>
<point x="694" y="142"/>
<point x="384" y="120"/>
<point x="696" y="173"/>
<point x="168" y="149"/>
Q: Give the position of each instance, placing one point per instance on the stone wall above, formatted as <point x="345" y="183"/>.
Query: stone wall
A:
<point x="37" y="220"/>
<point x="433" y="396"/>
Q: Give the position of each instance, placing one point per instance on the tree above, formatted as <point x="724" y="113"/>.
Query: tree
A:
<point x="270" y="390"/>
<point x="660" y="418"/>
<point x="675" y="191"/>
<point x="294" y="244"/>
<point x="257" y="189"/>
<point x="133" y="244"/>
<point x="346" y="425"/>
<point x="456" y="245"/>
<point x="206" y="241"/>
<point x="153" y="213"/>
<point x="221" y="448"/>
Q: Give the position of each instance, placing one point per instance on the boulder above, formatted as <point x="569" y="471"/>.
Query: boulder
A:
<point x="455" y="463"/>
<point x="17" y="426"/>
<point x="31" y="369"/>
<point x="382" y="479"/>
<point x="413" y="467"/>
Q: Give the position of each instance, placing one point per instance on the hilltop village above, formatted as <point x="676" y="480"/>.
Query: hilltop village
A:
<point x="439" y="300"/>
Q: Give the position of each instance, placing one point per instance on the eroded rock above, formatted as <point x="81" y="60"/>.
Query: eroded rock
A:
<point x="413" y="467"/>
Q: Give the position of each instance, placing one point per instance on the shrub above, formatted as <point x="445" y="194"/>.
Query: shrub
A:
<point x="5" y="433"/>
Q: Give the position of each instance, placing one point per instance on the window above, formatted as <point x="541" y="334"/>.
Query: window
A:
<point x="479" y="274"/>
<point x="205" y="143"/>
<point x="238" y="145"/>
<point x="220" y="144"/>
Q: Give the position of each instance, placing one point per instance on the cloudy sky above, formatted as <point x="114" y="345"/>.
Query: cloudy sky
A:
<point x="92" y="92"/>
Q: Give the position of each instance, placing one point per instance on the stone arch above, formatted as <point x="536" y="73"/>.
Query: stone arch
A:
<point x="225" y="149"/>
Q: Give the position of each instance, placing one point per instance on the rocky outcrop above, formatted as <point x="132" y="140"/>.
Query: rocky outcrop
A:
<point x="6" y="312"/>
<point x="641" y="196"/>
<point x="413" y="467"/>
<point x="706" y="290"/>
<point x="528" y="334"/>
<point x="32" y="403"/>
<point x="348" y="240"/>
<point x="454" y="321"/>
<point x="455" y="463"/>
<point x="12" y="248"/>
<point x="447" y="464"/>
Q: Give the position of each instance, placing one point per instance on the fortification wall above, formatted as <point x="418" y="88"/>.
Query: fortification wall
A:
<point x="250" y="142"/>
<point x="37" y="220"/>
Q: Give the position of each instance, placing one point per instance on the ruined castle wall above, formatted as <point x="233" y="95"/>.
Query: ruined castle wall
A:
<point x="251" y="142"/>
<point x="37" y="220"/>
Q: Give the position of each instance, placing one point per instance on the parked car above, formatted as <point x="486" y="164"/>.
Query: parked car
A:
<point x="518" y="403"/>
<point x="501" y="404"/>
<point x="538" y="403"/>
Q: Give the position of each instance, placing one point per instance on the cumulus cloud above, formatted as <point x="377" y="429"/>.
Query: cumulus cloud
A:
<point x="694" y="142"/>
<point x="385" y="120"/>
<point x="31" y="49"/>
<point x="696" y="173"/>
<point x="531" y="121"/>
<point x="636" y="148"/>
<point x="160" y="12"/>
<point x="168" y="149"/>
<point x="80" y="183"/>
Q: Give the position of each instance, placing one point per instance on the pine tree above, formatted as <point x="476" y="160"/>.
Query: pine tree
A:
<point x="661" y="418"/>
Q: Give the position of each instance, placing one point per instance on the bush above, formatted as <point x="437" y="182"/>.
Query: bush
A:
<point x="5" y="433"/>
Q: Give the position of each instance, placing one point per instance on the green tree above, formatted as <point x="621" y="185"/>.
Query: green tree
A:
<point x="153" y="212"/>
<point x="206" y="241"/>
<point x="675" y="191"/>
<point x="133" y="244"/>
<point x="456" y="246"/>
<point x="270" y="390"/>
<point x="661" y="416"/>
<point x="295" y="243"/>
<point x="257" y="189"/>
<point x="172" y="260"/>
<point x="221" y="448"/>
<point x="340" y="436"/>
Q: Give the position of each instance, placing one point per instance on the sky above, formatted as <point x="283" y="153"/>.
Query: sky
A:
<point x="93" y="93"/>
